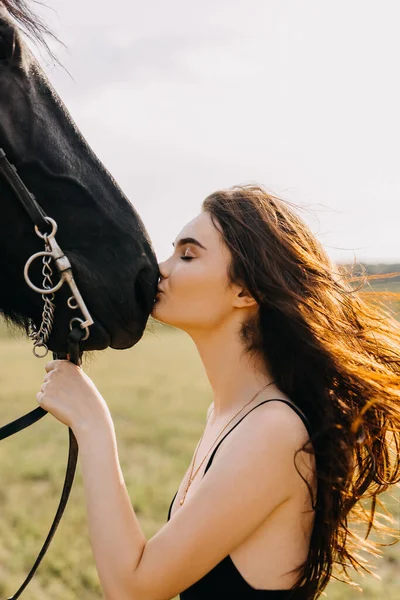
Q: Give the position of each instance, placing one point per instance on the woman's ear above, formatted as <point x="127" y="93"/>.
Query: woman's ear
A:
<point x="243" y="298"/>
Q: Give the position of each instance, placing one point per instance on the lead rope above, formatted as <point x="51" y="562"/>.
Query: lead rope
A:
<point x="75" y="354"/>
<point x="40" y="335"/>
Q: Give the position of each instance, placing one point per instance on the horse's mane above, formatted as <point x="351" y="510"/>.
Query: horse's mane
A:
<point x="31" y="23"/>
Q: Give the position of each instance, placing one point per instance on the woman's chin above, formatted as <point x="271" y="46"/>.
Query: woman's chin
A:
<point x="157" y="315"/>
<point x="155" y="312"/>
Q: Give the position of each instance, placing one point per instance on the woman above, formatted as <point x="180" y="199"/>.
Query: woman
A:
<point x="305" y="417"/>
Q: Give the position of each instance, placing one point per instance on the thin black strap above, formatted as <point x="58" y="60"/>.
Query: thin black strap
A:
<point x="22" y="422"/>
<point x="170" y="506"/>
<point x="27" y="199"/>
<point x="69" y="479"/>
<point x="75" y="352"/>
<point x="295" y="408"/>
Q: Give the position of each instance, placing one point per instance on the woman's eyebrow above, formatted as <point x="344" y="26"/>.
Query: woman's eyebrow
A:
<point x="188" y="240"/>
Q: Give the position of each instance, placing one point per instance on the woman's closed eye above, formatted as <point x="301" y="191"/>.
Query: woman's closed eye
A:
<point x="185" y="256"/>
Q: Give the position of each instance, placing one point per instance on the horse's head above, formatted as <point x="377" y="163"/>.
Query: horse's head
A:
<point x="101" y="233"/>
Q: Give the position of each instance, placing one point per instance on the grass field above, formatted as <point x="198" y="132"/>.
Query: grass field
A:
<point x="158" y="395"/>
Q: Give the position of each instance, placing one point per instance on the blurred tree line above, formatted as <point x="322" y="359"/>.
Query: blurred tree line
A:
<point x="360" y="268"/>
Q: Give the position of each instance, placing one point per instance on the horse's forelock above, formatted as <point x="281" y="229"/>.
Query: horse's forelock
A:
<point x="31" y="23"/>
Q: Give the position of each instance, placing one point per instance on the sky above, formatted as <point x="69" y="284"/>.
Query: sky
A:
<point x="181" y="98"/>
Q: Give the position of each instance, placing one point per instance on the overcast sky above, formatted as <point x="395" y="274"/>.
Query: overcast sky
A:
<point x="180" y="98"/>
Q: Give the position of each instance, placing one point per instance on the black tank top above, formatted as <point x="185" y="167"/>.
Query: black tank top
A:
<point x="224" y="580"/>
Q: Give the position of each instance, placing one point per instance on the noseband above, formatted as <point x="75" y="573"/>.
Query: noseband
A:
<point x="79" y="328"/>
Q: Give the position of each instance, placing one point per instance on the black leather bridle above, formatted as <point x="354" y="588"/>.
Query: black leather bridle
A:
<point x="74" y="341"/>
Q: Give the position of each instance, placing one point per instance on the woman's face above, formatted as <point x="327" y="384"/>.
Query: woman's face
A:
<point x="196" y="294"/>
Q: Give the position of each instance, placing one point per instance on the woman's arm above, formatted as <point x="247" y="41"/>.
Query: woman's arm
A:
<point x="116" y="538"/>
<point x="252" y="474"/>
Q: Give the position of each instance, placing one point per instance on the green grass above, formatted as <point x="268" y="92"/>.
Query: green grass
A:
<point x="158" y="396"/>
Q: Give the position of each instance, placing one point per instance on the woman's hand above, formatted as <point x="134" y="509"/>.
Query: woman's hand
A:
<point x="72" y="398"/>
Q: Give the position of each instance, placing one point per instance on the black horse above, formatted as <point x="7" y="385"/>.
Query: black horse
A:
<point x="98" y="229"/>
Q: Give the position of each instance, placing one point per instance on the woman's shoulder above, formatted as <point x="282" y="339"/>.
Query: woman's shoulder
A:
<point x="280" y="404"/>
<point x="280" y="414"/>
<point x="290" y="411"/>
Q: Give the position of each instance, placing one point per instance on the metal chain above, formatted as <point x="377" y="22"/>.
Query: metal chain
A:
<point x="41" y="335"/>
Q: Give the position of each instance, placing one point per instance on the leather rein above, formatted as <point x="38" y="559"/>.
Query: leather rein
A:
<point x="79" y="330"/>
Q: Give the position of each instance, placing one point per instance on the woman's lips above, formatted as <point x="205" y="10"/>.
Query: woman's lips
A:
<point x="159" y="292"/>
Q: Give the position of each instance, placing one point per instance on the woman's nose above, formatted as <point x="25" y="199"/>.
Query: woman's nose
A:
<point x="162" y="269"/>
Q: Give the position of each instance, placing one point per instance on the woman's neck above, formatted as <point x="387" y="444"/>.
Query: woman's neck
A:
<point x="234" y="375"/>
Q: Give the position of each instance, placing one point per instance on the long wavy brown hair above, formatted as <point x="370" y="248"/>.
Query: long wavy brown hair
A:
<point x="336" y="354"/>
